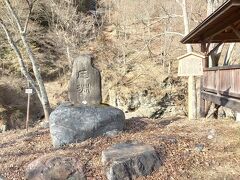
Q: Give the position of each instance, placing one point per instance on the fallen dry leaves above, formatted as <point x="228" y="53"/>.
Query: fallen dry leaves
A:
<point x="175" y="139"/>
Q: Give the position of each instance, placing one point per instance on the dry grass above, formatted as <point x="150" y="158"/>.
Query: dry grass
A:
<point x="219" y="159"/>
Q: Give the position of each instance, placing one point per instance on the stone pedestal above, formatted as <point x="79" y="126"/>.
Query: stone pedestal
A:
<point x="71" y="124"/>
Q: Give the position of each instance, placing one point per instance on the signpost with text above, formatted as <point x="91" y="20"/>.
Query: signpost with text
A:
<point x="191" y="64"/>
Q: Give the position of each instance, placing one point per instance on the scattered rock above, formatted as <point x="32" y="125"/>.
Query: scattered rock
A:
<point x="211" y="134"/>
<point x="55" y="167"/>
<point x="130" y="160"/>
<point x="112" y="133"/>
<point x="168" y="139"/>
<point x="70" y="124"/>
<point x="44" y="124"/>
<point x="3" y="128"/>
<point x="229" y="113"/>
<point x="199" y="147"/>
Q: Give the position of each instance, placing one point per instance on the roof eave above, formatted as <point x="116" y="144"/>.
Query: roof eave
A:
<point x="225" y="6"/>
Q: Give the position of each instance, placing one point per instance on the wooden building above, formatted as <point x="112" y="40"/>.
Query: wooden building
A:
<point x="220" y="84"/>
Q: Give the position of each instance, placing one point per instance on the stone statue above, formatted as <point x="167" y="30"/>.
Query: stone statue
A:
<point x="85" y="83"/>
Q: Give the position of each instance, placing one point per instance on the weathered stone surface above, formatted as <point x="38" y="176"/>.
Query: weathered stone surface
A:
<point x="69" y="124"/>
<point x="85" y="83"/>
<point x="130" y="160"/>
<point x="55" y="167"/>
<point x="2" y="178"/>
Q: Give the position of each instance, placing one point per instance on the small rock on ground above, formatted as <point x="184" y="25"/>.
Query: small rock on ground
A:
<point x="199" y="147"/>
<point x="55" y="167"/>
<point x="130" y="160"/>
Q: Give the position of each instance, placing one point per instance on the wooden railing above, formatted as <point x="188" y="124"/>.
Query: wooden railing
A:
<point x="223" y="80"/>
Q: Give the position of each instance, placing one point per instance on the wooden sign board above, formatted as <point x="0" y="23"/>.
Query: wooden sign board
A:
<point x="190" y="65"/>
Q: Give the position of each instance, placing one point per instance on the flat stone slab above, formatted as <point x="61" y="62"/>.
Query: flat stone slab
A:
<point x="71" y="124"/>
<point x="130" y="160"/>
<point x="55" y="167"/>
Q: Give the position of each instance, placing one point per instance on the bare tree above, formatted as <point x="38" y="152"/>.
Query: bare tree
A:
<point x="71" y="27"/>
<point x="21" y="29"/>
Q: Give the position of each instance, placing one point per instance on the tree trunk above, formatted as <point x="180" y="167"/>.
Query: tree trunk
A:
<point x="42" y="91"/>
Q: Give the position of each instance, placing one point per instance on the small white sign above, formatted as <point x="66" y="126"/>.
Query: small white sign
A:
<point x="28" y="91"/>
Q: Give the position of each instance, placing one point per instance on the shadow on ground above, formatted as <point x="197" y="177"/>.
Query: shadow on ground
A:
<point x="135" y="124"/>
<point x="167" y="121"/>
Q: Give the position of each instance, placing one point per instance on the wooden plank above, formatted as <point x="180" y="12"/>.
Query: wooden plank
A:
<point x="222" y="68"/>
<point x="231" y="103"/>
<point x="224" y="93"/>
<point x="236" y="31"/>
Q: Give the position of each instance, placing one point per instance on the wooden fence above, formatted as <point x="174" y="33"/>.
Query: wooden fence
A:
<point x="223" y="81"/>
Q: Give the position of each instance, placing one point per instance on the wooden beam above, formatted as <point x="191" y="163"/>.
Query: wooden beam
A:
<point x="224" y="93"/>
<point x="236" y="31"/>
<point x="231" y="103"/>
<point x="203" y="47"/>
<point x="219" y="44"/>
<point x="226" y="36"/>
<point x="228" y="21"/>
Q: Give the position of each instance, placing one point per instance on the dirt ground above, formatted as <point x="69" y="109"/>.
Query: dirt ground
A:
<point x="202" y="149"/>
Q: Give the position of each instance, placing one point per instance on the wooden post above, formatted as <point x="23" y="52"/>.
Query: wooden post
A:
<point x="203" y="102"/>
<point x="192" y="98"/>
<point x="218" y="81"/>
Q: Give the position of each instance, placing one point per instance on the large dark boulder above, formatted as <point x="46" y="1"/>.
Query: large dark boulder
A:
<point x="130" y="160"/>
<point x="71" y="124"/>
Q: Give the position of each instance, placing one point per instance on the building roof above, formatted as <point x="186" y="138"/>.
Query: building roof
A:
<point x="219" y="26"/>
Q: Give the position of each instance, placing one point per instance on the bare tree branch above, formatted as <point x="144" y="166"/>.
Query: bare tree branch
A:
<point x="17" y="20"/>
<point x="19" y="56"/>
<point x="30" y="6"/>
